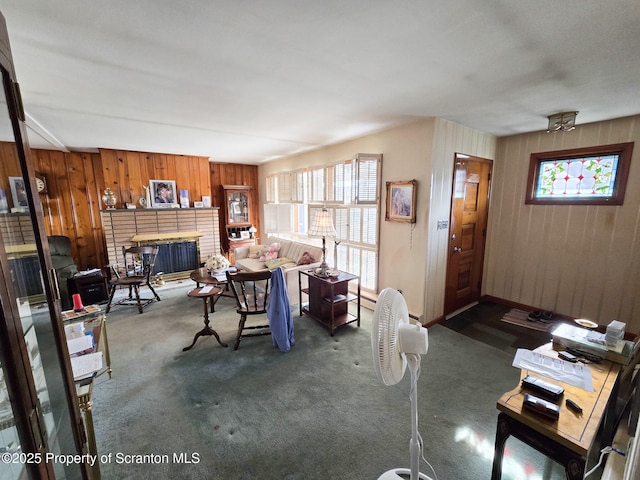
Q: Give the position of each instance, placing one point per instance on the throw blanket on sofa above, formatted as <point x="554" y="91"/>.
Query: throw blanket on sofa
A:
<point x="279" y="312"/>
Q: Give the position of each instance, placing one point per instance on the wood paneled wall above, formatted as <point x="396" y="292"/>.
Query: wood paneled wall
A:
<point x="126" y="173"/>
<point x="75" y="182"/>
<point x="577" y="260"/>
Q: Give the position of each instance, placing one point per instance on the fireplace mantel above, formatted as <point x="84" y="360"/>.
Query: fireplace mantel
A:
<point x="150" y="237"/>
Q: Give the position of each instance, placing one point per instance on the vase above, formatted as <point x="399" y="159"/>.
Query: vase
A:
<point x="109" y="198"/>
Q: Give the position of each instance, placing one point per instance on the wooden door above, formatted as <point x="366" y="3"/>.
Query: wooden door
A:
<point x="467" y="231"/>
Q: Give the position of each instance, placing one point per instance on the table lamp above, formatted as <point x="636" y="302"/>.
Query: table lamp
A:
<point x="322" y="226"/>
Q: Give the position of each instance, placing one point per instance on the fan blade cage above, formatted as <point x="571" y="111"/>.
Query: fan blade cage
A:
<point x="390" y="311"/>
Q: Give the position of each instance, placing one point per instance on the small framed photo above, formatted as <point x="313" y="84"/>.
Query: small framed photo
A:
<point x="198" y="204"/>
<point x="18" y="192"/>
<point x="163" y="193"/>
<point x="184" y="198"/>
<point x="401" y="201"/>
<point x="244" y="234"/>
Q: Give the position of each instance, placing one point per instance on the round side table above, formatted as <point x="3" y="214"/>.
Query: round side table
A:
<point x="210" y="294"/>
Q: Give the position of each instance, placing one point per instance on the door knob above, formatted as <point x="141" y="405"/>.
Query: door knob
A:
<point x="457" y="249"/>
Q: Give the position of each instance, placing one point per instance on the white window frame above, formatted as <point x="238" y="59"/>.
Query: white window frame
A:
<point x="350" y="190"/>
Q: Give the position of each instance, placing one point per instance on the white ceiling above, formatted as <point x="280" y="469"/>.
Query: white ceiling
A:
<point x="251" y="80"/>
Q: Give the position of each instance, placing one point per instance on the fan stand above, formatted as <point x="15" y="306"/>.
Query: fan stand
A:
<point x="413" y="362"/>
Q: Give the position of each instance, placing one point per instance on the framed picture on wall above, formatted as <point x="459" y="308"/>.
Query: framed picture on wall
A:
<point x="18" y="192"/>
<point x="163" y="193"/>
<point x="401" y="201"/>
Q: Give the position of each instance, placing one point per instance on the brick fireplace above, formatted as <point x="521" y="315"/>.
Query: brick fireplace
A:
<point x="186" y="236"/>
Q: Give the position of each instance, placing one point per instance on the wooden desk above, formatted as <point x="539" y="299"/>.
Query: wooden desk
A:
<point x="567" y="440"/>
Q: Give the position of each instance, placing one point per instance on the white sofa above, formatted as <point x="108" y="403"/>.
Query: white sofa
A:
<point x="289" y="249"/>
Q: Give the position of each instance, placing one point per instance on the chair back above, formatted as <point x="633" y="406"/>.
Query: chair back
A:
<point x="139" y="261"/>
<point x="251" y="290"/>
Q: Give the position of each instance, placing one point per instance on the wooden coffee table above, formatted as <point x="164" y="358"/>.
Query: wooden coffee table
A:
<point x="568" y="439"/>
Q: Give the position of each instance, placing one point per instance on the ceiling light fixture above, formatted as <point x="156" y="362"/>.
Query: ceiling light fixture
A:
<point x="563" y="121"/>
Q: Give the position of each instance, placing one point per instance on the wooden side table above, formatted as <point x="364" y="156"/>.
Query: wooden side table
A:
<point x="207" y="294"/>
<point x="329" y="299"/>
<point x="202" y="275"/>
<point x="92" y="288"/>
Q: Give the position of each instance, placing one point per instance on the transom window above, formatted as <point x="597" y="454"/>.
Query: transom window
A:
<point x="591" y="176"/>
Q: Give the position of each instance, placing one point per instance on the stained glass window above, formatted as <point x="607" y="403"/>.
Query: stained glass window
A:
<point x="593" y="175"/>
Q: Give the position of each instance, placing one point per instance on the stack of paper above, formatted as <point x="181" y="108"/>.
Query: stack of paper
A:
<point x="79" y="345"/>
<point x="566" y="335"/>
<point x="84" y="366"/>
<point x="74" y="330"/>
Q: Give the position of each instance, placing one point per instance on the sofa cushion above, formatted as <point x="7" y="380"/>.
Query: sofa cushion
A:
<point x="279" y="262"/>
<point x="295" y="250"/>
<point x="250" y="264"/>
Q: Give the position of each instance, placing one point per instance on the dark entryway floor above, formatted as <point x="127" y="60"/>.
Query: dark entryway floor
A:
<point x="482" y="322"/>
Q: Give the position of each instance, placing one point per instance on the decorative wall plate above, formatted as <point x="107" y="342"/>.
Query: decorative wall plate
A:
<point x="583" y="322"/>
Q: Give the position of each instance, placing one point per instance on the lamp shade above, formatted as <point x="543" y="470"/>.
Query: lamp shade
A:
<point x="322" y="225"/>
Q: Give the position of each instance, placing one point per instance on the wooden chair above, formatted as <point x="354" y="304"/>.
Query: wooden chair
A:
<point x="251" y="291"/>
<point x="138" y="266"/>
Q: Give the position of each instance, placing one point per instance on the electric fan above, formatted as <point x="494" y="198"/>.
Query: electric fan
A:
<point x="395" y="343"/>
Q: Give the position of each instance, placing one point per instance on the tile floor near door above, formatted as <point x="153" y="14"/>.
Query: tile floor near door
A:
<point x="482" y="322"/>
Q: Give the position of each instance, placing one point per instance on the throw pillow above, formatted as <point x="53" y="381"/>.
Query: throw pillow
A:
<point x="306" y="259"/>
<point x="278" y="262"/>
<point x="256" y="251"/>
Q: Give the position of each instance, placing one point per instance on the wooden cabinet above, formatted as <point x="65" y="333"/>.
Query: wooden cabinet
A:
<point x="237" y="214"/>
<point x="329" y="299"/>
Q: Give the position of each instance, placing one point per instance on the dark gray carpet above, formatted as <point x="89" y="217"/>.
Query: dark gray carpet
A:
<point x="317" y="412"/>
